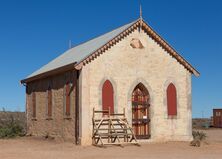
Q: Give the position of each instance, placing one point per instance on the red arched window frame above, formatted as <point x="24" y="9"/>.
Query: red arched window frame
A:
<point x="108" y="96"/>
<point x="171" y="100"/>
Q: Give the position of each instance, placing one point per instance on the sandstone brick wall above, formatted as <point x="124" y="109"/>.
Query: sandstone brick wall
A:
<point x="125" y="67"/>
<point x="60" y="125"/>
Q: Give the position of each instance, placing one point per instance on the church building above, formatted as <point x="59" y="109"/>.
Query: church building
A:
<point x="131" y="68"/>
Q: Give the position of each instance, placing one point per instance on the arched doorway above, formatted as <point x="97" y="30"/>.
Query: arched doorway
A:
<point x="140" y="112"/>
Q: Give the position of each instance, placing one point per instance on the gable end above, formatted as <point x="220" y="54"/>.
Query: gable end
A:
<point x="157" y="38"/>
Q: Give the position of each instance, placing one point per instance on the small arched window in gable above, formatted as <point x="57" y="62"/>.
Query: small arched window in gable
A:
<point x="107" y="96"/>
<point x="171" y="100"/>
<point x="136" y="44"/>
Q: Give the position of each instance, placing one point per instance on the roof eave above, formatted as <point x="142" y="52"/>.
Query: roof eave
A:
<point x="49" y="73"/>
<point x="196" y="73"/>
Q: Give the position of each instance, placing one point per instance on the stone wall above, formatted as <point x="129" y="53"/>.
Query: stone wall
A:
<point x="59" y="125"/>
<point x="126" y="67"/>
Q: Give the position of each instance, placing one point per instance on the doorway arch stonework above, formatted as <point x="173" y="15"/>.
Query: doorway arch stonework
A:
<point x="129" y="102"/>
<point x="140" y="112"/>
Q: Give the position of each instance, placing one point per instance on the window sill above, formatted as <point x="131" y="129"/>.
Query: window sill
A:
<point x="67" y="118"/>
<point x="172" y="117"/>
<point x="49" y="118"/>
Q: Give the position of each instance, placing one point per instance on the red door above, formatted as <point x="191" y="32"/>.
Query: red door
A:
<point x="140" y="112"/>
<point x="107" y="96"/>
<point x="217" y="118"/>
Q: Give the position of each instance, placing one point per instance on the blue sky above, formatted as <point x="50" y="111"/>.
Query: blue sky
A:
<point x="34" y="32"/>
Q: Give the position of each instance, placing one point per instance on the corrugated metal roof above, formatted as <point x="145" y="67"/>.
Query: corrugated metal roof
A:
<point x="78" y="53"/>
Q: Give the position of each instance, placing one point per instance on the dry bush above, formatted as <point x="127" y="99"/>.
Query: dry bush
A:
<point x="198" y="137"/>
<point x="12" y="124"/>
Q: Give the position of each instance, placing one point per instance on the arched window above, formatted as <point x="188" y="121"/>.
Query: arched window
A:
<point x="171" y="100"/>
<point x="107" y="96"/>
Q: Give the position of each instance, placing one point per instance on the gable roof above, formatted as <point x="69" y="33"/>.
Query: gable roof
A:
<point x="82" y="54"/>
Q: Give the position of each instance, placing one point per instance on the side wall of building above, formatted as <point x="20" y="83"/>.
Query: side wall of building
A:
<point x="126" y="67"/>
<point x="59" y="125"/>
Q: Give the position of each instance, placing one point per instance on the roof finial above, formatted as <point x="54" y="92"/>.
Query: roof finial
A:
<point x="141" y="17"/>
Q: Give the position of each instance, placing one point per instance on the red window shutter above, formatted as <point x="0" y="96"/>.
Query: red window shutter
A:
<point x="49" y="102"/>
<point x="107" y="96"/>
<point x="171" y="100"/>
<point x="67" y="99"/>
<point x="33" y="104"/>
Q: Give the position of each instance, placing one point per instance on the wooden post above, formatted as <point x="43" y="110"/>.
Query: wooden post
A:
<point x="124" y="112"/>
<point x="93" y="140"/>
<point x="93" y="112"/>
<point x="109" y="125"/>
<point x="125" y="131"/>
<point x="109" y="112"/>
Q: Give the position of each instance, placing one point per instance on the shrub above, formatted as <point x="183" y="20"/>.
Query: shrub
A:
<point x="11" y="129"/>
<point x="199" y="135"/>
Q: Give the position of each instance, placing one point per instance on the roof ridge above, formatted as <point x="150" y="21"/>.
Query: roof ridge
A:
<point x="97" y="36"/>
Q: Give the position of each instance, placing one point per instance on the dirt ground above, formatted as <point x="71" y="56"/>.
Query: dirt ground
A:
<point x="28" y="147"/>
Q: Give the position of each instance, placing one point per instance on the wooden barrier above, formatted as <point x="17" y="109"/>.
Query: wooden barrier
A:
<point x="111" y="129"/>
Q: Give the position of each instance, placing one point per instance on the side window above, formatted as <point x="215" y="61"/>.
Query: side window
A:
<point x="218" y="114"/>
<point x="171" y="100"/>
<point x="107" y="96"/>
<point x="33" y="104"/>
<point x="49" y="102"/>
<point x="67" y="92"/>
